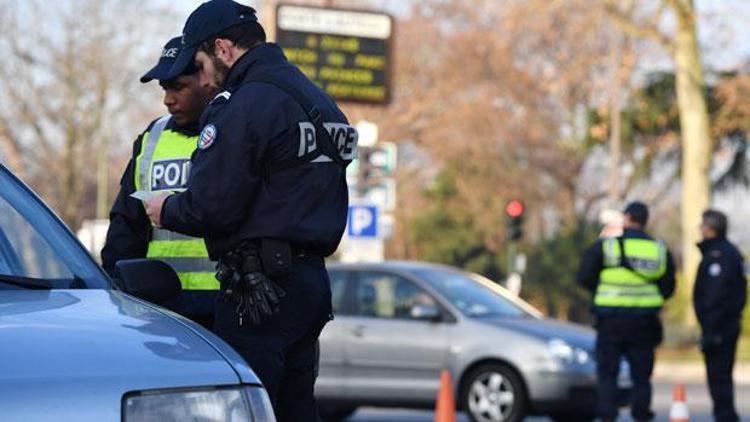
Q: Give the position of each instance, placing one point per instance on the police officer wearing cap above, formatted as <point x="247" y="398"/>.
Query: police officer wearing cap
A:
<point x="719" y="296"/>
<point x="161" y="162"/>
<point x="630" y="276"/>
<point x="268" y="192"/>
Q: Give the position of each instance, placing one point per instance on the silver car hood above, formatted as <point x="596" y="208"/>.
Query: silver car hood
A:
<point x="547" y="329"/>
<point x="79" y="351"/>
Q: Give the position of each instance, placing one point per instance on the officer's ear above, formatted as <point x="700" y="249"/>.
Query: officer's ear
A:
<point x="223" y="49"/>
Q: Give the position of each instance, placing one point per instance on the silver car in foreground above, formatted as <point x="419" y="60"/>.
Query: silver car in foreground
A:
<point x="398" y="324"/>
<point x="75" y="348"/>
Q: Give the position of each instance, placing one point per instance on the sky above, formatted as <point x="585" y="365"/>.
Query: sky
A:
<point x="723" y="28"/>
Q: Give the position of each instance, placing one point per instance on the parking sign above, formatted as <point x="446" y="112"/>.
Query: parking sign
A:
<point x="363" y="221"/>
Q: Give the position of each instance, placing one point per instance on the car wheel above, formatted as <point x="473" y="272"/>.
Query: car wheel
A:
<point x="494" y="393"/>
<point x="335" y="413"/>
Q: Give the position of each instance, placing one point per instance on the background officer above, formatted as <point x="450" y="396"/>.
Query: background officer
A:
<point x="268" y="192"/>
<point x="630" y="277"/>
<point x="161" y="160"/>
<point x="719" y="296"/>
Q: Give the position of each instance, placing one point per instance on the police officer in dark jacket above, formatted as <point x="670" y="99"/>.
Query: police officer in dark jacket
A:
<point x="719" y="296"/>
<point x="268" y="192"/>
<point x="161" y="161"/>
<point x="630" y="277"/>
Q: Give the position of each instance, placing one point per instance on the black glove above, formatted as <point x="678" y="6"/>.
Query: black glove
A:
<point x="260" y="298"/>
<point x="710" y="343"/>
<point x="244" y="283"/>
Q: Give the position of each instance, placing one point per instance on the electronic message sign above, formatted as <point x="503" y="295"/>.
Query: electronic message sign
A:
<point x="346" y="52"/>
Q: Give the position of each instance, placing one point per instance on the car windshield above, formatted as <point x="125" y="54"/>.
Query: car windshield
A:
<point x="475" y="296"/>
<point x="36" y="250"/>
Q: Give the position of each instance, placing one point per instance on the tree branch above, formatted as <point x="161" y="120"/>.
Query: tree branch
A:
<point x="679" y="8"/>
<point x="13" y="149"/>
<point x="626" y="24"/>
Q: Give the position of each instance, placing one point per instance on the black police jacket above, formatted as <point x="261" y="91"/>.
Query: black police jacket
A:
<point x="592" y="264"/>
<point x="129" y="226"/>
<point x="230" y="197"/>
<point x="720" y="290"/>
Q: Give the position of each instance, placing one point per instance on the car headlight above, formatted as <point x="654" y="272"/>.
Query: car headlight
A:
<point x="565" y="353"/>
<point x="205" y="405"/>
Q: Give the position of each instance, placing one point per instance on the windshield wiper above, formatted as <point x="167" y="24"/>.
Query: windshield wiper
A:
<point x="29" y="283"/>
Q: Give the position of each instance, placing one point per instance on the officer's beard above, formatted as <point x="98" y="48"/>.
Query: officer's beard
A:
<point x="221" y="71"/>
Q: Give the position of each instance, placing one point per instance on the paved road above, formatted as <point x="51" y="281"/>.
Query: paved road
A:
<point x="699" y="403"/>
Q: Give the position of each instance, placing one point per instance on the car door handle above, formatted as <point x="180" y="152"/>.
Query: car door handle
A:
<point x="358" y="331"/>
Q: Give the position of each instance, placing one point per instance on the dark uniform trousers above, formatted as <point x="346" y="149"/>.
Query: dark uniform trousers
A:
<point x="719" y="367"/>
<point x="635" y="338"/>
<point x="283" y="351"/>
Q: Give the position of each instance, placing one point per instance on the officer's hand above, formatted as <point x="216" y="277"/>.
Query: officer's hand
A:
<point x="153" y="208"/>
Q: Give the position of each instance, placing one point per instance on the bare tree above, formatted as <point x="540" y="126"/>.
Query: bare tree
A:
<point x="494" y="90"/>
<point x="694" y="118"/>
<point x="68" y="92"/>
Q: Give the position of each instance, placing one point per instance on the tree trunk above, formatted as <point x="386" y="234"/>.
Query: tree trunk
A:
<point x="696" y="140"/>
<point x="615" y="134"/>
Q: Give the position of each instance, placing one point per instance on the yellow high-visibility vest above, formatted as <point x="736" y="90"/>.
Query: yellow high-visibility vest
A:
<point x="621" y="287"/>
<point x="163" y="164"/>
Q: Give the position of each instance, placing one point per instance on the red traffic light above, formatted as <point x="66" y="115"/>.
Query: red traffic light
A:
<point x="514" y="208"/>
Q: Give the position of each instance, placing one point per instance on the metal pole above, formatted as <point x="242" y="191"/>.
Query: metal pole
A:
<point x="512" y="251"/>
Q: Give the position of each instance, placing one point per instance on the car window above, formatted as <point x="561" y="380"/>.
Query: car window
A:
<point x="338" y="286"/>
<point x="34" y="244"/>
<point x="470" y="296"/>
<point x="386" y="295"/>
<point x="23" y="252"/>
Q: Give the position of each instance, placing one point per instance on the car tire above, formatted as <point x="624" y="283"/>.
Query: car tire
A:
<point x="494" y="393"/>
<point x="335" y="413"/>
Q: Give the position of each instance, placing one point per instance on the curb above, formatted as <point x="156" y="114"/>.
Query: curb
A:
<point x="695" y="372"/>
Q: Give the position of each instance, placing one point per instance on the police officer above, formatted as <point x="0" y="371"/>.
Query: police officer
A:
<point x="160" y="162"/>
<point x="268" y="193"/>
<point x="719" y="296"/>
<point x="630" y="277"/>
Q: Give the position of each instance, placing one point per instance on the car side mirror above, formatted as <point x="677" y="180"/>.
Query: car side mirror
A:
<point x="425" y="313"/>
<point x="147" y="279"/>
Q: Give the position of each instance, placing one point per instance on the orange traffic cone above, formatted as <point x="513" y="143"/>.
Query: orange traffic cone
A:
<point x="679" y="411"/>
<point x="445" y="409"/>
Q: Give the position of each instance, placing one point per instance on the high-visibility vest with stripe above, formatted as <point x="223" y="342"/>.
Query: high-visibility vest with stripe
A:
<point x="621" y="287"/>
<point x="163" y="165"/>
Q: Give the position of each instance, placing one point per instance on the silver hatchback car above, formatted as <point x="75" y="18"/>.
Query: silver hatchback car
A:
<point x="74" y="347"/>
<point x="398" y="324"/>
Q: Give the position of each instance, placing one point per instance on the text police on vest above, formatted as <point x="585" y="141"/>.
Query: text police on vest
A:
<point x="170" y="174"/>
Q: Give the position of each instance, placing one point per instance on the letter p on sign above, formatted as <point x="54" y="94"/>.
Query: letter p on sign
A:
<point x="363" y="221"/>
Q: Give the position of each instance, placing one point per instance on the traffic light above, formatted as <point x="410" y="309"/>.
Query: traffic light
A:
<point x="376" y="163"/>
<point x="366" y="169"/>
<point x="514" y="211"/>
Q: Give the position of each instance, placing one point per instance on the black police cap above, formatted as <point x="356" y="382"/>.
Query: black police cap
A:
<point x="209" y="19"/>
<point x="169" y="54"/>
<point x="638" y="212"/>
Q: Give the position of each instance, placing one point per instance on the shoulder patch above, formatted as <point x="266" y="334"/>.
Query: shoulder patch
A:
<point x="207" y="137"/>
<point x="714" y="270"/>
<point x="221" y="97"/>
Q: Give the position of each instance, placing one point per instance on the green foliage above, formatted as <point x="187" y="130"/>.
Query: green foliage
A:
<point x="446" y="232"/>
<point x="651" y="120"/>
<point x="551" y="275"/>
